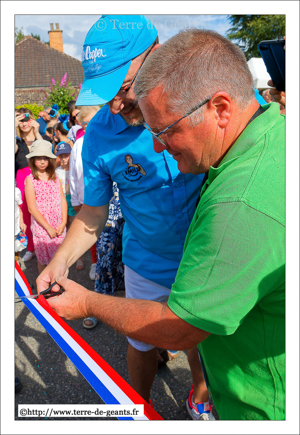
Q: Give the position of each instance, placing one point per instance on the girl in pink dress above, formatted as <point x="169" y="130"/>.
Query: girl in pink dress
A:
<point x="46" y="203"/>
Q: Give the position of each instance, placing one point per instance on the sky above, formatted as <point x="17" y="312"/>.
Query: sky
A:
<point x="75" y="27"/>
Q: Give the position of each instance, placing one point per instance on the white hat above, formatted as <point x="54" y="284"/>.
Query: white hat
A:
<point x="41" y="148"/>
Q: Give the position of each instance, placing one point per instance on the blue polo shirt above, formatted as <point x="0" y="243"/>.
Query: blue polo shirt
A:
<point x="157" y="201"/>
<point x="43" y="126"/>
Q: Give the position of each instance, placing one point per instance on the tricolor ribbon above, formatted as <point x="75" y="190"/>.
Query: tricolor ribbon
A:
<point x="110" y="386"/>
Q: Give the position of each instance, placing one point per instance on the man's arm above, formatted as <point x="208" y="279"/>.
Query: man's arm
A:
<point x="146" y="321"/>
<point x="83" y="233"/>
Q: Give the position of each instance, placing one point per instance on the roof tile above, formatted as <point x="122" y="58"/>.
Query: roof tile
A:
<point x="36" y="63"/>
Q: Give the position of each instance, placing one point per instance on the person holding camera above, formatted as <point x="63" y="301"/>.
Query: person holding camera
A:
<point x="27" y="131"/>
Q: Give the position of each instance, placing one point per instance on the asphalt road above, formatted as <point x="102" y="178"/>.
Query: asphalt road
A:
<point x="49" y="377"/>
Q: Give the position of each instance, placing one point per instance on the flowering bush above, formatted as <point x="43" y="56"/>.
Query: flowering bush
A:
<point x="60" y="93"/>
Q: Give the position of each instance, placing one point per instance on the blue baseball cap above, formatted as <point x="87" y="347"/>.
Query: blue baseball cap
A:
<point x="109" y="47"/>
<point x="63" y="148"/>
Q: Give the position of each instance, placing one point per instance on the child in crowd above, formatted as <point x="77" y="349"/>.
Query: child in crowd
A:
<point x="19" y="223"/>
<point x="46" y="203"/>
<point x="49" y="133"/>
<point x="63" y="153"/>
<point x="60" y="135"/>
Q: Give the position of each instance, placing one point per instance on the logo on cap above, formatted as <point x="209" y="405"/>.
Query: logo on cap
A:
<point x="92" y="54"/>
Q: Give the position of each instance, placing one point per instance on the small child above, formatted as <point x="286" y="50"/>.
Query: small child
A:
<point x="46" y="203"/>
<point x="63" y="153"/>
<point x="19" y="223"/>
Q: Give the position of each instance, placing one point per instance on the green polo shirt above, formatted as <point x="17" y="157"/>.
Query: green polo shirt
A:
<point x="231" y="280"/>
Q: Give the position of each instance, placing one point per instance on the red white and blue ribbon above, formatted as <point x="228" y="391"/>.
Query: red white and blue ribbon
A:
<point x="110" y="386"/>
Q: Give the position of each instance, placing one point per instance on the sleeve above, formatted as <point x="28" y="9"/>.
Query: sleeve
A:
<point x="97" y="181"/>
<point x="73" y="176"/>
<point x="71" y="135"/>
<point x="233" y="257"/>
<point x="18" y="196"/>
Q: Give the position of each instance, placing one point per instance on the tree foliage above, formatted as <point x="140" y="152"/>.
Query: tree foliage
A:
<point x="35" y="108"/>
<point x="39" y="38"/>
<point x="36" y="36"/>
<point x="249" y="30"/>
<point x="19" y="35"/>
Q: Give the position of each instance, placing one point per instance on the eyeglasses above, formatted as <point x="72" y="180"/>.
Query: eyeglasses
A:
<point x="126" y="89"/>
<point x="156" y="135"/>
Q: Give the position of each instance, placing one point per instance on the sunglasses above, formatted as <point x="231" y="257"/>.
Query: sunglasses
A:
<point x="74" y="117"/>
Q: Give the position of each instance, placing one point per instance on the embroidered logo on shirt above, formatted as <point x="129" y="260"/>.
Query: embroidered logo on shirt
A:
<point x="134" y="171"/>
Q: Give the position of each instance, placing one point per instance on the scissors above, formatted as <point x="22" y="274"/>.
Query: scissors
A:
<point x="46" y="293"/>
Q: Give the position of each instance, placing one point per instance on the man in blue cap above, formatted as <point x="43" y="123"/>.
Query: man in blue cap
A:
<point x="157" y="201"/>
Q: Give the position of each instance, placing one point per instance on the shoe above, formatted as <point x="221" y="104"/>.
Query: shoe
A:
<point x="93" y="321"/>
<point x="18" y="385"/>
<point x="199" y="411"/>
<point x="93" y="271"/>
<point x="28" y="256"/>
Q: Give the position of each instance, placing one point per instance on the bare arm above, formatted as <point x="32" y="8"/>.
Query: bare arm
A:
<point x="147" y="321"/>
<point x="18" y="118"/>
<point x="22" y="223"/>
<point x="64" y="206"/>
<point x="36" y="127"/>
<point x="83" y="233"/>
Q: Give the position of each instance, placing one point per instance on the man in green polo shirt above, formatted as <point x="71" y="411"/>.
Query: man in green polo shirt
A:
<point x="197" y="96"/>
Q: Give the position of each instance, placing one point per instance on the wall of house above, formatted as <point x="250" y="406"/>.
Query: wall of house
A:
<point x="30" y="96"/>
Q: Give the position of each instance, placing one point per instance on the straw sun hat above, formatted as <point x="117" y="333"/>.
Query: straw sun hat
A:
<point x="41" y="148"/>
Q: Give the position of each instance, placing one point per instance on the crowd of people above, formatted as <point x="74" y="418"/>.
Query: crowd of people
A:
<point x="49" y="193"/>
<point x="194" y="158"/>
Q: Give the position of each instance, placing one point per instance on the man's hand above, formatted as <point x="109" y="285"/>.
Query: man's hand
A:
<point x="72" y="304"/>
<point x="55" y="268"/>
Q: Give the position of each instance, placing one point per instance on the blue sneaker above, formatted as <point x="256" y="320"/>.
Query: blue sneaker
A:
<point x="199" y="411"/>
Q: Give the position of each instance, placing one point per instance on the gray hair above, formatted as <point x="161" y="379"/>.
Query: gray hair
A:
<point x="191" y="67"/>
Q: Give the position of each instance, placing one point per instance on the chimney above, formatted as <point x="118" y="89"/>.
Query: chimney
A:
<point x="55" y="37"/>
